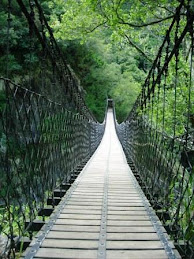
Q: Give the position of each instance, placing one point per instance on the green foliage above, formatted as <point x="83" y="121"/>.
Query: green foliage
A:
<point x="106" y="70"/>
<point x="175" y="114"/>
<point x="122" y="18"/>
<point x="95" y="37"/>
<point x="111" y="44"/>
<point x="125" y="95"/>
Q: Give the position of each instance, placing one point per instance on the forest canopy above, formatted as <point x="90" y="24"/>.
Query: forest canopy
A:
<point x="110" y="44"/>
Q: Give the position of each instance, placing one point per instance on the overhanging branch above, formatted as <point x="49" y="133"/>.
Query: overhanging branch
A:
<point x="137" y="48"/>
<point x="144" y="24"/>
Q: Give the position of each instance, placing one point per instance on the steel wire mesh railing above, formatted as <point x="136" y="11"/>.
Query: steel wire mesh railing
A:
<point x="42" y="143"/>
<point x="158" y="135"/>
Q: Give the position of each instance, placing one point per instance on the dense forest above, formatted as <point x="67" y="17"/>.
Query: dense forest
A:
<point x="109" y="44"/>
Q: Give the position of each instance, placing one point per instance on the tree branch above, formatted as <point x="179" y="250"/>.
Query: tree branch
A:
<point x="166" y="9"/>
<point x="101" y="9"/>
<point x="144" y="24"/>
<point x="118" y="6"/>
<point x="138" y="48"/>
<point x="96" y="27"/>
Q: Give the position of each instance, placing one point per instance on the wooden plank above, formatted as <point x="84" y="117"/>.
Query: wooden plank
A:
<point x="121" y="188"/>
<point x="128" y="208"/>
<point x="123" y="198"/>
<point x="86" y="203"/>
<point x="128" y="217"/>
<point x="128" y="223"/>
<point x="79" y="211"/>
<point x="129" y="203"/>
<point x="90" y="193"/>
<point x="135" y="245"/>
<point x="131" y="229"/>
<point x="87" y="189"/>
<point x="76" y="228"/>
<point x="70" y="244"/>
<point x="79" y="216"/>
<point x="89" y="186"/>
<point x="83" y="207"/>
<point x="123" y="192"/>
<point x="132" y="236"/>
<point x="86" y="197"/>
<point x="73" y="235"/>
<point x="66" y="253"/>
<point x="127" y="212"/>
<point x="78" y="222"/>
<point x="95" y="195"/>
<point x="136" y="254"/>
<point x="81" y="198"/>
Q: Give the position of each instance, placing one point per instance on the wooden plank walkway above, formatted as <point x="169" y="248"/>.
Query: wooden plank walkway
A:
<point x="104" y="214"/>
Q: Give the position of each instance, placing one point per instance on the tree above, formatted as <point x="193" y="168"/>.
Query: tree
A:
<point x="136" y="23"/>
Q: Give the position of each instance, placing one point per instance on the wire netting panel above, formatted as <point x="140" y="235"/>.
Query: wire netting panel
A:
<point x="42" y="143"/>
<point x="158" y="135"/>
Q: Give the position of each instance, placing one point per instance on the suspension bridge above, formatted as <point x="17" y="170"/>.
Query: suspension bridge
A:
<point x="72" y="187"/>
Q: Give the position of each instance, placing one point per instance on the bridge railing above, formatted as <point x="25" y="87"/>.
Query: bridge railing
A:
<point x="42" y="144"/>
<point x="158" y="135"/>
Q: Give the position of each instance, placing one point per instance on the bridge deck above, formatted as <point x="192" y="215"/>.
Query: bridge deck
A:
<point x="105" y="214"/>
